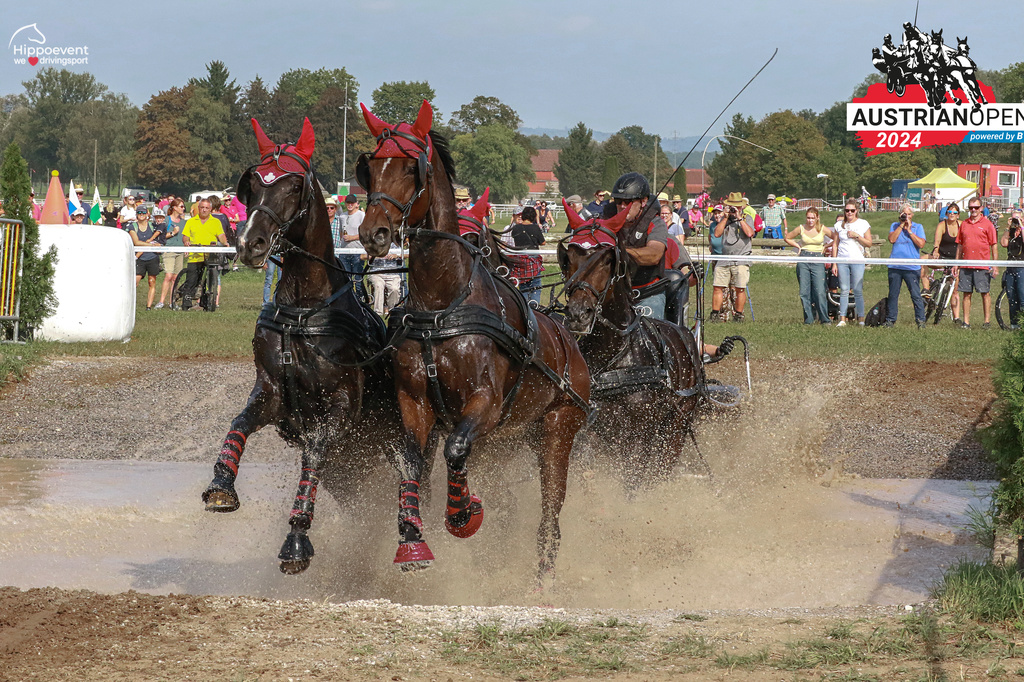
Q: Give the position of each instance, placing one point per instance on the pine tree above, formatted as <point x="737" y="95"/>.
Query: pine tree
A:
<point x="611" y="172"/>
<point x="36" y="284"/>
<point x="577" y="163"/>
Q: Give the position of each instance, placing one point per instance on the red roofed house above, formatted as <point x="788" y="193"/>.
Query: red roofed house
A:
<point x="543" y="163"/>
<point x="696" y="181"/>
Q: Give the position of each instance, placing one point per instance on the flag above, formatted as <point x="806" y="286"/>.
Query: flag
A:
<point x="73" y="203"/>
<point x="95" y="215"/>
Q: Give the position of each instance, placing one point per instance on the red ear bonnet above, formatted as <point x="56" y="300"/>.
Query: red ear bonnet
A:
<point x="307" y="141"/>
<point x="274" y="164"/>
<point x="390" y="146"/>
<point x="266" y="146"/>
<point x="593" y="232"/>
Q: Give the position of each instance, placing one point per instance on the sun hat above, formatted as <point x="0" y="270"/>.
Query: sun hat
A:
<point x="331" y="201"/>
<point x="574" y="199"/>
<point x="462" y="193"/>
<point x="676" y="197"/>
<point x="771" y="196"/>
<point x="735" y="199"/>
<point x="663" y="196"/>
<point x="79" y="211"/>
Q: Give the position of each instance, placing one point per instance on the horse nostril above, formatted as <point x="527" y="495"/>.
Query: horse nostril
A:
<point x="381" y="236"/>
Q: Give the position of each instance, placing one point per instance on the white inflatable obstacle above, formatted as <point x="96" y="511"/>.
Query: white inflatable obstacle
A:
<point x="94" y="283"/>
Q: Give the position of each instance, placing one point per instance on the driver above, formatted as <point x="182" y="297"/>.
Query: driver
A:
<point x="204" y="229"/>
<point x="644" y="236"/>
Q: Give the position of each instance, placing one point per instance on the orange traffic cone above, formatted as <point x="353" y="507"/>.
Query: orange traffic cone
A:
<point x="55" y="208"/>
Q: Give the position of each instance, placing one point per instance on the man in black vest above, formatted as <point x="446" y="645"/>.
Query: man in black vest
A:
<point x="644" y="236"/>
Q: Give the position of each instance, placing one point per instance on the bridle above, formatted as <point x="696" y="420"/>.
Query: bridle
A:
<point x="305" y="202"/>
<point x="576" y="282"/>
<point x="424" y="174"/>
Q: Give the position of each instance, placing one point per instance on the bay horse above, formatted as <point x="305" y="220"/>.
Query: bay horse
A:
<point x="647" y="375"/>
<point x="472" y="358"/>
<point x="314" y="346"/>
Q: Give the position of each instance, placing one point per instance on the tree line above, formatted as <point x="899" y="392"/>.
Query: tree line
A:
<point x="197" y="136"/>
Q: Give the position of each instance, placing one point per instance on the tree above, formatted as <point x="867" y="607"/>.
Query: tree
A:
<point x="839" y="163"/>
<point x="36" y="284"/>
<point x="577" y="163"/>
<point x="306" y="87"/>
<point x="401" y="101"/>
<point x="484" y="111"/>
<point x="726" y="171"/>
<point x="1013" y="83"/>
<point x="492" y="157"/>
<point x="880" y="170"/>
<point x="217" y="84"/>
<point x="105" y="127"/>
<point x="645" y="144"/>
<point x="610" y="172"/>
<point x="164" y="158"/>
<point x="207" y="121"/>
<point x="53" y="95"/>
<point x="256" y="101"/>
<point x="628" y="159"/>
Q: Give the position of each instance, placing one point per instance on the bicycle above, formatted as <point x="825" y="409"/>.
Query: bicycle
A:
<point x="206" y="289"/>
<point x="939" y="296"/>
<point x="1006" y="316"/>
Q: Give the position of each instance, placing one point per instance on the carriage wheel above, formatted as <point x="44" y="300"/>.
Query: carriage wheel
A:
<point x="901" y="88"/>
<point x="901" y="81"/>
<point x="890" y="84"/>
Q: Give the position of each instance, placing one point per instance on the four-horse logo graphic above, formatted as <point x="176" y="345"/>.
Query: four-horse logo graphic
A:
<point x="923" y="59"/>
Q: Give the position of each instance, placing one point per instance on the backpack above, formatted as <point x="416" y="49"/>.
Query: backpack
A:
<point x="876" y="316"/>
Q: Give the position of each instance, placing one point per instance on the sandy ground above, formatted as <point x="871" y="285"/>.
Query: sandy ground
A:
<point x="796" y="518"/>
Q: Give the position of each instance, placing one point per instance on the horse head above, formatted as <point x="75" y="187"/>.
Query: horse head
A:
<point x="962" y="47"/>
<point x="398" y="178"/>
<point x="592" y="263"/>
<point x="278" y="193"/>
<point x="937" y="37"/>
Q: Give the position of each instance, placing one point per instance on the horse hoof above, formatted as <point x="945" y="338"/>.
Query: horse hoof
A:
<point x="476" y="519"/>
<point x="296" y="553"/>
<point x="220" y="499"/>
<point x="413" y="556"/>
<point x="294" y="567"/>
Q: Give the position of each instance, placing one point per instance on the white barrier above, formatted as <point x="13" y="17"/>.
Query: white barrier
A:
<point x="94" y="283"/>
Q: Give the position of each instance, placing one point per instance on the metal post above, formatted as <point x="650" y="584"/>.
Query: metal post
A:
<point x="95" y="146"/>
<point x="344" y="140"/>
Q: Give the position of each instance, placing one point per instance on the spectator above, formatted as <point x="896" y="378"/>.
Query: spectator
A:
<point x="218" y="213"/>
<point x="174" y="263"/>
<point x="907" y="238"/>
<point x="146" y="262"/>
<point x="945" y="248"/>
<point x="545" y="218"/>
<point x="78" y="217"/>
<point x="736" y="233"/>
<point x="684" y="215"/>
<point x="811" y="275"/>
<point x="576" y="202"/>
<point x="80" y="191"/>
<point x="228" y="209"/>
<point x="385" y="287"/>
<point x="200" y="230"/>
<point x="527" y="271"/>
<point x="596" y="207"/>
<point x="462" y="199"/>
<point x="126" y="215"/>
<point x="37" y="210"/>
<point x="350" y="222"/>
<point x="696" y="219"/>
<point x="673" y="217"/>
<point x="1013" y="242"/>
<point x="775" y="224"/>
<point x="850" y="236"/>
<point x="109" y="213"/>
<point x="976" y="240"/>
<point x="675" y="229"/>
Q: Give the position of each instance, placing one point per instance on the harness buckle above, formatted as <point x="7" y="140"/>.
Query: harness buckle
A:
<point x="286" y="358"/>
<point x="432" y="371"/>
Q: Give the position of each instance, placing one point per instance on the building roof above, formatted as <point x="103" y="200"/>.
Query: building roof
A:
<point x="544" y="160"/>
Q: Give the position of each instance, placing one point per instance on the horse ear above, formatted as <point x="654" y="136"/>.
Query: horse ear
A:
<point x="482" y="206"/>
<point x="574" y="218"/>
<point x="424" y="120"/>
<point x="266" y="146"/>
<point x="375" y="125"/>
<point x="307" y="141"/>
<point x="616" y="222"/>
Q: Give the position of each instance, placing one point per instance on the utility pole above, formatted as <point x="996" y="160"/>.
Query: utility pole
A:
<point x="95" y="146"/>
<point x="344" y="140"/>
<point x="656" y="140"/>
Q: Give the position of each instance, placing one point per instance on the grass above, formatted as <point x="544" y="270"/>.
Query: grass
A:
<point x="983" y="592"/>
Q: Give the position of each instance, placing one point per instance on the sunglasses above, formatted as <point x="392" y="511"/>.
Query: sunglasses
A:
<point x="850" y="210"/>
<point x="974" y="208"/>
<point x="953" y="212"/>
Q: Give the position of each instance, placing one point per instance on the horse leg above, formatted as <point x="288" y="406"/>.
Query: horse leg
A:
<point x="297" y="551"/>
<point x="560" y="428"/>
<point x="413" y="553"/>
<point x="465" y="512"/>
<point x="220" y="495"/>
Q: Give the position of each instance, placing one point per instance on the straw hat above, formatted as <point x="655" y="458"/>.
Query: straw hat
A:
<point x="735" y="199"/>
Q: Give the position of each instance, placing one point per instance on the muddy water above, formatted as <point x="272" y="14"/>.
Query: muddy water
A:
<point x="110" y="526"/>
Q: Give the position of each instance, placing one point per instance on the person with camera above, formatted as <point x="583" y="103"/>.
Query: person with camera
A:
<point x="976" y="241"/>
<point x="736" y="234"/>
<point x="850" y="236"/>
<point x="907" y="238"/>
<point x="1013" y="242"/>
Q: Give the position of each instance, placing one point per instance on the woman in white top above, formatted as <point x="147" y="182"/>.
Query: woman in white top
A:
<point x="850" y="236"/>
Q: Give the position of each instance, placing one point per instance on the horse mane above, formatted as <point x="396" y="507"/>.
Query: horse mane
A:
<point x="440" y="143"/>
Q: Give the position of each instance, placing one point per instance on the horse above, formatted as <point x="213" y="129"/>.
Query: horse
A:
<point x="315" y="346"/>
<point x="957" y="69"/>
<point x="647" y="375"/>
<point x="472" y="358"/>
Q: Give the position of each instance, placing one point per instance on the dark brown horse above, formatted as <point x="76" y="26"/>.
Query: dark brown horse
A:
<point x="647" y="374"/>
<point x="314" y="347"/>
<point x="471" y="355"/>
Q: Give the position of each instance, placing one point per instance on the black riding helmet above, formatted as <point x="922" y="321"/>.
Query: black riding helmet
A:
<point x="631" y="186"/>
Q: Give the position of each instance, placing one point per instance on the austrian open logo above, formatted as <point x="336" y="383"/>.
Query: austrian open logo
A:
<point x="931" y="97"/>
<point x="28" y="46"/>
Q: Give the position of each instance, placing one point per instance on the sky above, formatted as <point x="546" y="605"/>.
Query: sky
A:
<point x="668" y="66"/>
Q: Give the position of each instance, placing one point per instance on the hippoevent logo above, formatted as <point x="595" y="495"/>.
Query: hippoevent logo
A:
<point x="28" y="46"/>
<point x="931" y="96"/>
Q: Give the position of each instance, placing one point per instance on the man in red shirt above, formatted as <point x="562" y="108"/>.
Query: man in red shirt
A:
<point x="976" y="240"/>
